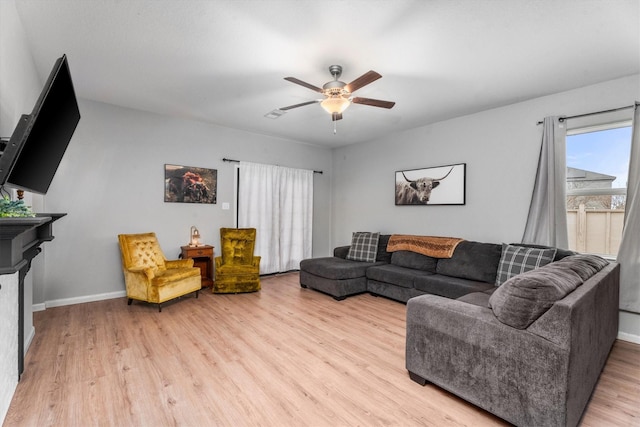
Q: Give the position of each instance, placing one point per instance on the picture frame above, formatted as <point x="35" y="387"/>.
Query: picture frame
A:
<point x="189" y="184"/>
<point x="439" y="185"/>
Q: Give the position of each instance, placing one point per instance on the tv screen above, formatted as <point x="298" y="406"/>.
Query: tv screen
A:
<point x="33" y="154"/>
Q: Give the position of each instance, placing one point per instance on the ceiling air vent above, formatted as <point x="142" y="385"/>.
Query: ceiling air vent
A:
<point x="274" y="114"/>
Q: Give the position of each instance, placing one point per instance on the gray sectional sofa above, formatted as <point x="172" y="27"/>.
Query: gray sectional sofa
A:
<point x="402" y="275"/>
<point x="529" y="351"/>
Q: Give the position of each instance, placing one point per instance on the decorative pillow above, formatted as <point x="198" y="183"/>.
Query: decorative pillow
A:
<point x="519" y="259"/>
<point x="521" y="300"/>
<point x="364" y="246"/>
<point x="560" y="253"/>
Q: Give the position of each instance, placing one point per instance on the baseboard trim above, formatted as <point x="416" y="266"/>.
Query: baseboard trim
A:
<point x="83" y="299"/>
<point x="27" y="342"/>
<point x="629" y="337"/>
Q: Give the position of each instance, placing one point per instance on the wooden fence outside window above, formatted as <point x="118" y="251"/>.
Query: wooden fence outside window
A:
<point x="596" y="231"/>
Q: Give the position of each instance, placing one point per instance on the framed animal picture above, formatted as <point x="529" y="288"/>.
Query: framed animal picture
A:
<point x="440" y="185"/>
<point x="187" y="184"/>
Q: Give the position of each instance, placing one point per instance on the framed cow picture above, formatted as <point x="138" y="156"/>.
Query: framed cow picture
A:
<point x="440" y="185"/>
<point x="187" y="184"/>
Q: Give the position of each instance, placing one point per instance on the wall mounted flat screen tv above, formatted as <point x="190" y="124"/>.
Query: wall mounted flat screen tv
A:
<point x="31" y="157"/>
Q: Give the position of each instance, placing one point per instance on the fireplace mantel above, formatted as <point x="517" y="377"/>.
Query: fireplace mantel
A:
<point x="18" y="236"/>
<point x="20" y="240"/>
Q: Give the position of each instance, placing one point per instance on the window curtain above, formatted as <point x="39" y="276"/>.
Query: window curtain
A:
<point x="547" y="220"/>
<point x="278" y="203"/>
<point x="629" y="252"/>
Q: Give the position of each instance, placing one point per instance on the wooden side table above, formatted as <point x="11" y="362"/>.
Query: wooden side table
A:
<point x="203" y="259"/>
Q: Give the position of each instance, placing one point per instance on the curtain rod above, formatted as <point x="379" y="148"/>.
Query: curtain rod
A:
<point x="238" y="161"/>
<point x="562" y="119"/>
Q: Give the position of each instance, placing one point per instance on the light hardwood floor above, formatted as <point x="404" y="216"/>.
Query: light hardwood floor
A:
<point x="285" y="356"/>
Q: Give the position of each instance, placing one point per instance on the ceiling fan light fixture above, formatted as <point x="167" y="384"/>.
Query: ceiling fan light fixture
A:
<point x="335" y="104"/>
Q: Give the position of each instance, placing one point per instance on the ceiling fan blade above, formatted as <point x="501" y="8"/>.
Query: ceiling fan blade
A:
<point x="305" y="84"/>
<point x="298" y="105"/>
<point x="336" y="116"/>
<point x="373" y="102"/>
<point x="363" y="80"/>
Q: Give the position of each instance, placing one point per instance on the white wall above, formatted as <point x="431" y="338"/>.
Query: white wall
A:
<point x="111" y="181"/>
<point x="19" y="90"/>
<point x="499" y="146"/>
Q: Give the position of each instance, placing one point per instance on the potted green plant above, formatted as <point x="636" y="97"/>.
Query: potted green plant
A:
<point x="14" y="209"/>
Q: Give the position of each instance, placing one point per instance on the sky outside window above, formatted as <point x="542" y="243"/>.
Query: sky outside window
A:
<point x="605" y="151"/>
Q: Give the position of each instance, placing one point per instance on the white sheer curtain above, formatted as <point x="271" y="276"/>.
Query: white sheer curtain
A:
<point x="629" y="252"/>
<point x="547" y="220"/>
<point x="278" y="202"/>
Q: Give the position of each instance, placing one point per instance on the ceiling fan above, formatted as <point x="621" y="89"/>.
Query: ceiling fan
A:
<point x="338" y="94"/>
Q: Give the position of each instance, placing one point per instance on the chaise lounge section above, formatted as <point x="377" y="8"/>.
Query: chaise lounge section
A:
<point x="338" y="276"/>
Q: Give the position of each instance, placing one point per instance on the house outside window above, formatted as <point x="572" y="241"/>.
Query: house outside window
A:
<point x="597" y="171"/>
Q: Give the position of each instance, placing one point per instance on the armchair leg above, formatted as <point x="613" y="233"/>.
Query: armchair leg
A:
<point x="159" y="308"/>
<point x="129" y="301"/>
<point x="197" y="292"/>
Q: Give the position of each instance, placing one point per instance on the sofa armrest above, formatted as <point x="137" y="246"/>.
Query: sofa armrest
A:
<point x="586" y="323"/>
<point x="150" y="273"/>
<point x="256" y="261"/>
<point x="341" y="252"/>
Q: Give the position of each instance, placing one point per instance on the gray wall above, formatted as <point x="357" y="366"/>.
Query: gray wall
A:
<point x="111" y="181"/>
<point x="499" y="146"/>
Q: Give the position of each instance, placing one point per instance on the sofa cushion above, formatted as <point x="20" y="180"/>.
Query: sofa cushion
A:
<point x="473" y="261"/>
<point x="414" y="260"/>
<point x="481" y="299"/>
<point x="525" y="297"/>
<point x="364" y="246"/>
<point x="398" y="276"/>
<point x="447" y="286"/>
<point x="585" y="265"/>
<point x="383" y="255"/>
<point x="335" y="268"/>
<point x="519" y="259"/>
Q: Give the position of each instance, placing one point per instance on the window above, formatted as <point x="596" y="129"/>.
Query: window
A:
<point x="597" y="171"/>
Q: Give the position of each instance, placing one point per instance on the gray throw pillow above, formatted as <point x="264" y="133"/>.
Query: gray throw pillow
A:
<point x="364" y="246"/>
<point x="525" y="297"/>
<point x="519" y="259"/>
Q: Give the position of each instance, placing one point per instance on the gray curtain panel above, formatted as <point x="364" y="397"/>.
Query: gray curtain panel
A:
<point x="629" y="252"/>
<point x="547" y="220"/>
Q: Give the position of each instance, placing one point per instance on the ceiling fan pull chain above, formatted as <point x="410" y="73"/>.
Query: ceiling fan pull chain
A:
<point x="335" y="127"/>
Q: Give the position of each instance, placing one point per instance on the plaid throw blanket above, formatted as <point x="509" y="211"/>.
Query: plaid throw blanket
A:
<point x="433" y="246"/>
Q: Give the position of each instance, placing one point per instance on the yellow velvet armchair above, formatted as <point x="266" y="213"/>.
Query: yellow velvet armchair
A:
<point x="237" y="269"/>
<point x="149" y="276"/>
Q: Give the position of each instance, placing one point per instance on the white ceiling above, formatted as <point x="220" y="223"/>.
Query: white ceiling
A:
<point x="224" y="61"/>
